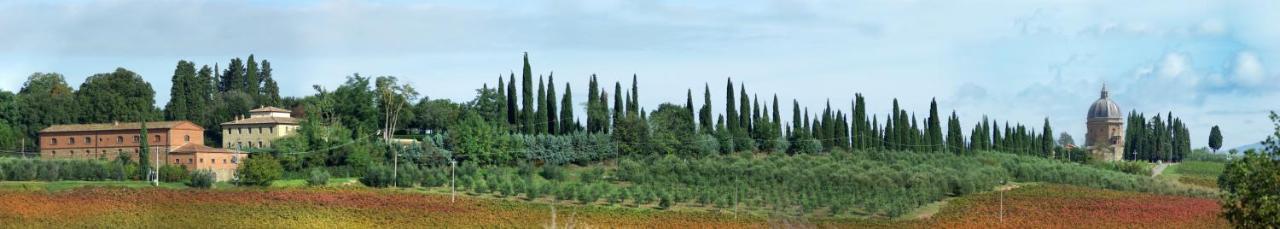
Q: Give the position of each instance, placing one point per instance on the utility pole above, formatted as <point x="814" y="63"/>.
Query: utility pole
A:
<point x="453" y="193"/>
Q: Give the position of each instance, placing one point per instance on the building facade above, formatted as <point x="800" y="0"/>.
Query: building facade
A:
<point x="171" y="143"/>
<point x="1105" y="137"/>
<point x="258" y="130"/>
<point x="109" y="140"/>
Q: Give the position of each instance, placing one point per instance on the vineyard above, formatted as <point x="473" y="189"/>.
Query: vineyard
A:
<point x="1032" y="206"/>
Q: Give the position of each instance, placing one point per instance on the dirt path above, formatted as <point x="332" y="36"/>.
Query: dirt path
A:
<point x="1159" y="169"/>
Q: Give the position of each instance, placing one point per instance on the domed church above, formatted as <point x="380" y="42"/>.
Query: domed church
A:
<point x="1105" y="138"/>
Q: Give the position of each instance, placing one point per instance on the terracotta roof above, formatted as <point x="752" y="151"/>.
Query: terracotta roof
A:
<point x="115" y="126"/>
<point x="263" y="120"/>
<point x="197" y="148"/>
<point x="270" y="109"/>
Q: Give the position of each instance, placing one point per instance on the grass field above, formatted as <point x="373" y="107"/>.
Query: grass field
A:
<point x="124" y="204"/>
<point x="1198" y="173"/>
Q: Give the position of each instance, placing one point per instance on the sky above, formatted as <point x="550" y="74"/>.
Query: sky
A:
<point x="1208" y="62"/>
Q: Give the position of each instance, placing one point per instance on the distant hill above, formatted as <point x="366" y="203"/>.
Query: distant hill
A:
<point x="1243" y="148"/>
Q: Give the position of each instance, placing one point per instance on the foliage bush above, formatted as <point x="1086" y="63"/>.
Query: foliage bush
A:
<point x="259" y="170"/>
<point x="173" y="173"/>
<point x="21" y="169"/>
<point x="318" y="177"/>
<point x="377" y="176"/>
<point x="552" y="172"/>
<point x="1249" y="185"/>
<point x="201" y="179"/>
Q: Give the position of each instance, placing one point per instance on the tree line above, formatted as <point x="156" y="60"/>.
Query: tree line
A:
<point x="206" y="96"/>
<point x="1156" y="139"/>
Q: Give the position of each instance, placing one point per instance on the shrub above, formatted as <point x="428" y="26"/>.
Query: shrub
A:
<point x="592" y="175"/>
<point x="406" y="177"/>
<point x="552" y="172"/>
<point x="201" y="179"/>
<point x="377" y="176"/>
<point x="172" y="173"/>
<point x="318" y="177"/>
<point x="259" y="170"/>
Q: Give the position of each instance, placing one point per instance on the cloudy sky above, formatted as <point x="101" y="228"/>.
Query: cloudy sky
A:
<point x="1209" y="62"/>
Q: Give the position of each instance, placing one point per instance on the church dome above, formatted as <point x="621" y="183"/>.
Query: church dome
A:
<point x="1104" y="107"/>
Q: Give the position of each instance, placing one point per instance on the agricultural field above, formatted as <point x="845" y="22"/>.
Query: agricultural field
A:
<point x="1025" y="205"/>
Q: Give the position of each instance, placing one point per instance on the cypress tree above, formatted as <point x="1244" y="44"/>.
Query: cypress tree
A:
<point x="688" y="105"/>
<point x="933" y="128"/>
<point x="1046" y="140"/>
<point x="955" y="138"/>
<point x="730" y="108"/>
<point x="552" y="122"/>
<point x="593" y="92"/>
<point x="618" y="105"/>
<point x="567" y="122"/>
<point x="527" y="110"/>
<point x="513" y="111"/>
<point x="251" y="80"/>
<point x="144" y="150"/>
<point x="604" y="122"/>
<point x="539" y="118"/>
<point x="777" y="120"/>
<point x="270" y="88"/>
<point x="704" y="115"/>
<point x="795" y="117"/>
<point x="635" y="95"/>
<point x="1215" y="138"/>
<point x="744" y="118"/>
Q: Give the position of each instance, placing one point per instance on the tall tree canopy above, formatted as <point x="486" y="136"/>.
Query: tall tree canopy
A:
<point x="117" y="96"/>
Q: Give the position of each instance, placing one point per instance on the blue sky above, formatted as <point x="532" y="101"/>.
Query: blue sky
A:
<point x="1209" y="62"/>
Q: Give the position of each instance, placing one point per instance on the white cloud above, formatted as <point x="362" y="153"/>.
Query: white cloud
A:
<point x="1248" y="70"/>
<point x="1174" y="65"/>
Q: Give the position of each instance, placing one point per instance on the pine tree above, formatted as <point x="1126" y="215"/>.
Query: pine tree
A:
<point x="553" y="126"/>
<point x="233" y="77"/>
<point x="181" y="92"/>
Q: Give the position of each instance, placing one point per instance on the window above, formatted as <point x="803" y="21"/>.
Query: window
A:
<point x="259" y="130"/>
<point x="202" y="160"/>
<point x="88" y="140"/>
<point x="273" y="130"/>
<point x="55" y="152"/>
<point x="261" y="145"/>
<point x="119" y="139"/>
<point x="53" y="141"/>
<point x="186" y="138"/>
<point x="224" y="160"/>
<point x="239" y="131"/>
<point x="135" y="139"/>
<point x="177" y="161"/>
<point x="71" y="141"/>
<point x="156" y="138"/>
<point x="191" y="161"/>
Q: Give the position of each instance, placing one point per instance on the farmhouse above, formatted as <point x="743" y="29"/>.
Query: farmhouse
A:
<point x="1105" y="138"/>
<point x="172" y="142"/>
<point x="263" y="125"/>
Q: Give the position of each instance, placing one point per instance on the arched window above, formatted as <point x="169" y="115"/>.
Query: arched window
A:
<point x="53" y="141"/>
<point x="119" y="139"/>
<point x="71" y="141"/>
<point x="186" y="138"/>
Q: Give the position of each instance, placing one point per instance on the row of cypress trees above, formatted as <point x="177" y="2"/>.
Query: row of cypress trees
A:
<point x="752" y="125"/>
<point x="1156" y="139"/>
